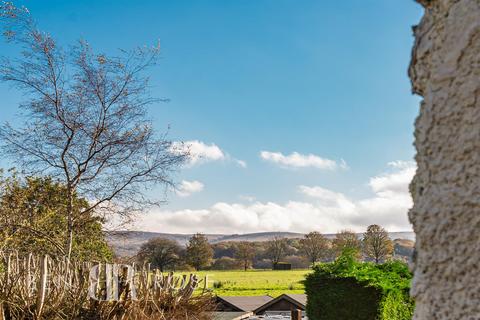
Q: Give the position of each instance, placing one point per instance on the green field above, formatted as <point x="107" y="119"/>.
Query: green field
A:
<point x="255" y="282"/>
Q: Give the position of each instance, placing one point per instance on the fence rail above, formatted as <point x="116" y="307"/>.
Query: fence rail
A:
<point x="41" y="287"/>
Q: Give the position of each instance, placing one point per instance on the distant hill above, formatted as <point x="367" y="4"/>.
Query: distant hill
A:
<point x="127" y="243"/>
<point x="404" y="247"/>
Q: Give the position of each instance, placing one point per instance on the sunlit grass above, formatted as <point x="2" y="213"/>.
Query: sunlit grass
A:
<point x="255" y="282"/>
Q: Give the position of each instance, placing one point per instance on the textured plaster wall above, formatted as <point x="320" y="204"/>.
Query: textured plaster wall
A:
<point x="445" y="71"/>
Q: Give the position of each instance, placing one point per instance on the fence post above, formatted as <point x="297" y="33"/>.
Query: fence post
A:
<point x="42" y="286"/>
<point x="205" y="283"/>
<point x="296" y="314"/>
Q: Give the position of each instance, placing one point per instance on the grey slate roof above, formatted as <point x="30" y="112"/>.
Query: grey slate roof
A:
<point x="246" y="303"/>
<point x="300" y="297"/>
<point x="297" y="299"/>
<point x="231" y="315"/>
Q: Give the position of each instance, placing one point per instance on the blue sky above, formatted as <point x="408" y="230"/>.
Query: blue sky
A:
<point x="321" y="78"/>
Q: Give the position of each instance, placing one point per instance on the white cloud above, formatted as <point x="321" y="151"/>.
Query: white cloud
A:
<point x="400" y="164"/>
<point x="328" y="198"/>
<point x="186" y="188"/>
<point x="394" y="182"/>
<point x="392" y="198"/>
<point x="200" y="152"/>
<point x="323" y="210"/>
<point x="246" y="197"/>
<point x="241" y="163"/>
<point x="239" y="218"/>
<point x="297" y="160"/>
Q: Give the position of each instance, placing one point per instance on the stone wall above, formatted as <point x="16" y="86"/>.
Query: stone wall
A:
<point x="445" y="71"/>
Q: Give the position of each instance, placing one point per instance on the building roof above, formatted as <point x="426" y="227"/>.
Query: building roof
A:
<point x="246" y="303"/>
<point x="300" y="297"/>
<point x="299" y="300"/>
<point x="231" y="315"/>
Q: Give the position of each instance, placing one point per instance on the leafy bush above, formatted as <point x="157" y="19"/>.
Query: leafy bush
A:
<point x="32" y="219"/>
<point x="346" y="289"/>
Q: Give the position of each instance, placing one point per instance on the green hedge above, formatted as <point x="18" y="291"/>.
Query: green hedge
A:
<point x="346" y="289"/>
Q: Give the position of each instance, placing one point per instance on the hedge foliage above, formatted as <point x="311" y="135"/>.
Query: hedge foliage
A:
<point x="347" y="289"/>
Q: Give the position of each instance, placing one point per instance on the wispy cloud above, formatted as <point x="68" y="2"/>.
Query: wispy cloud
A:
<point x="186" y="188"/>
<point x="246" y="197"/>
<point x="200" y="152"/>
<point x="322" y="209"/>
<point x="298" y="160"/>
<point x="328" y="198"/>
<point x="241" y="163"/>
<point x="395" y="182"/>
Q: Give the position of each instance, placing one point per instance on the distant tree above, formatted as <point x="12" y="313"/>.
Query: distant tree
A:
<point x="226" y="263"/>
<point x="32" y="220"/>
<point x="377" y="244"/>
<point x="245" y="252"/>
<point x="224" y="249"/>
<point x="86" y="123"/>
<point x="297" y="261"/>
<point x="199" y="253"/>
<point x="315" y="246"/>
<point x="276" y="249"/>
<point x="162" y="253"/>
<point x="346" y="240"/>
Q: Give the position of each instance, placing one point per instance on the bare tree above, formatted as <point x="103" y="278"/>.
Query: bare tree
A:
<point x="377" y="244"/>
<point x="245" y="252"/>
<point x="347" y="241"/>
<point x="276" y="249"/>
<point x="86" y="122"/>
<point x="315" y="246"/>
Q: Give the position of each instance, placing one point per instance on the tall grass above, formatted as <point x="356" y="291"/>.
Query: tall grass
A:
<point x="40" y="287"/>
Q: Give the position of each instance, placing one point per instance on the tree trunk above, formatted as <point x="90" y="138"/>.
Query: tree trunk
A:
<point x="69" y="244"/>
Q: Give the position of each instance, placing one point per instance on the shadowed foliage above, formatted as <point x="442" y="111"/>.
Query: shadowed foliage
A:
<point x="199" y="253"/>
<point x="347" y="289"/>
<point x="161" y="253"/>
<point x="32" y="220"/>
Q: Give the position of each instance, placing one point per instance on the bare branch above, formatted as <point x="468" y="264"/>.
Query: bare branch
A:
<point x="86" y="119"/>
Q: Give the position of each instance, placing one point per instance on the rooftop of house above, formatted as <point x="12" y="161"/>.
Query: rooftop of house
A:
<point x="300" y="297"/>
<point x="244" y="303"/>
<point x="232" y="315"/>
<point x="275" y="316"/>
<point x="298" y="300"/>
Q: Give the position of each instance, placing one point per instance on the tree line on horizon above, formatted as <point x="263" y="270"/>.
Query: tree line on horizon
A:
<point x="314" y="247"/>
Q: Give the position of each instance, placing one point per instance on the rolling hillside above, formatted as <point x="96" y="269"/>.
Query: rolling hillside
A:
<point x="127" y="243"/>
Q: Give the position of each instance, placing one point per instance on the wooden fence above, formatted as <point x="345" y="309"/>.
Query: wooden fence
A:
<point x="40" y="287"/>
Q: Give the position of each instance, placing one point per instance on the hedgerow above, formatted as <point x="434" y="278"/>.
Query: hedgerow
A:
<point x="347" y="289"/>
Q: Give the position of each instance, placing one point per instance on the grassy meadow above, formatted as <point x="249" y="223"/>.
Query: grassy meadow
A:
<point x="255" y="282"/>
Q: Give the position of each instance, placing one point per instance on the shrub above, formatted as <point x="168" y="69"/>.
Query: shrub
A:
<point x="346" y="289"/>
